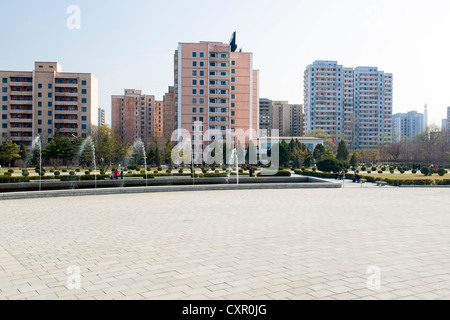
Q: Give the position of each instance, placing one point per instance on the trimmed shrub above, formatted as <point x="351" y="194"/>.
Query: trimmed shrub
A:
<point x="330" y="165"/>
<point x="71" y="173"/>
<point x="380" y="171"/>
<point x="10" y="171"/>
<point x="383" y="169"/>
<point x="77" y="170"/>
<point x="425" y="171"/>
<point x="442" y="172"/>
<point x="363" y="168"/>
<point x="25" y="173"/>
<point x="159" y="169"/>
<point x="57" y="173"/>
<point x="414" y="171"/>
<point x="87" y="173"/>
<point x="374" y="168"/>
<point x="64" y="170"/>
<point x="181" y="171"/>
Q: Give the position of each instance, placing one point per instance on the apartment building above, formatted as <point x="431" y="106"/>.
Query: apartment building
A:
<point x="101" y="117"/>
<point x="217" y="86"/>
<point x="45" y="101"/>
<point x="170" y="115"/>
<point x="350" y="104"/>
<point x="159" y="119"/>
<point x="134" y="116"/>
<point x="407" y="125"/>
<point x="265" y="117"/>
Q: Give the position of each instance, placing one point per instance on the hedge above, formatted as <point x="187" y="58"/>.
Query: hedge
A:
<point x="280" y="173"/>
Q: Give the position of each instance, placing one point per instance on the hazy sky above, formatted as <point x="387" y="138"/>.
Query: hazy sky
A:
<point x="130" y="44"/>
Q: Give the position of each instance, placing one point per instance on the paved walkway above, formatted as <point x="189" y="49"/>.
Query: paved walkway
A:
<point x="351" y="243"/>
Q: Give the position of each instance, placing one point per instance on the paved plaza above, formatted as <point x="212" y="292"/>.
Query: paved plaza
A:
<point x="350" y="243"/>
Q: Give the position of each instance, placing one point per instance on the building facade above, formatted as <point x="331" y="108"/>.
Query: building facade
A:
<point x="217" y="87"/>
<point x="265" y="117"/>
<point x="350" y="104"/>
<point x="407" y="125"/>
<point x="101" y="117"/>
<point x="170" y="115"/>
<point x="47" y="101"/>
<point x="134" y="116"/>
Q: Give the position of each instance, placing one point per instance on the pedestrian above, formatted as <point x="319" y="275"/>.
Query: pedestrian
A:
<point x="117" y="174"/>
<point x="121" y="174"/>
<point x="111" y="176"/>
<point x="251" y="172"/>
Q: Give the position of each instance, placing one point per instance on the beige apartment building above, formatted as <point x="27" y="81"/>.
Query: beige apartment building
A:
<point x="45" y="101"/>
<point x="133" y="116"/>
<point x="282" y="116"/>
<point x="169" y="115"/>
<point x="217" y="86"/>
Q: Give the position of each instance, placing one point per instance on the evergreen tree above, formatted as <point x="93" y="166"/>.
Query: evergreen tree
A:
<point x="157" y="157"/>
<point x="342" y="153"/>
<point x="9" y="152"/>
<point x="354" y="160"/>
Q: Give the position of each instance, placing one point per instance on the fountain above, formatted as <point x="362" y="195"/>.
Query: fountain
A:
<point x="37" y="143"/>
<point x="89" y="141"/>
<point x="138" y="146"/>
<point x="234" y="157"/>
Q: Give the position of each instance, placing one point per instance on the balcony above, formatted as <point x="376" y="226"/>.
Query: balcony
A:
<point x="66" y="94"/>
<point x="21" y="129"/>
<point x="66" y="85"/>
<point x="66" y="103"/>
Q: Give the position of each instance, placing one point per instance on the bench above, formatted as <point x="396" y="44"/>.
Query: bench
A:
<point x="380" y="183"/>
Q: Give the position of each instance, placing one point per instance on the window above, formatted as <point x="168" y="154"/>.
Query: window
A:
<point x="4" y="108"/>
<point x="39" y="94"/>
<point x="194" y="91"/>
<point x="84" y="100"/>
<point x="49" y="94"/>
<point x="233" y="88"/>
<point x="200" y="119"/>
<point x="83" y="126"/>
<point x="4" y="98"/>
<point x="202" y="101"/>
<point x="233" y="63"/>
<point x="39" y="122"/>
<point x="39" y="130"/>
<point x="233" y="96"/>
<point x="4" y="125"/>
<point x="49" y="113"/>
<point x="233" y="79"/>
<point x="233" y="105"/>
<point x="4" y="116"/>
<point x="233" y="121"/>
<point x="39" y="103"/>
<point x="39" y="113"/>
<point x="233" y="70"/>
<point x="84" y="91"/>
<point x="194" y="54"/>
<point x="194" y="63"/>
<point x="194" y="110"/>
<point x="194" y="82"/>
<point x="39" y="85"/>
<point x="202" y="54"/>
<point x="49" y="121"/>
<point x="202" y="73"/>
<point x="202" y="64"/>
<point x="4" y="89"/>
<point x="202" y="91"/>
<point x="84" y="83"/>
<point x="50" y="104"/>
<point x="194" y="119"/>
<point x="194" y="101"/>
<point x="83" y="118"/>
<point x="5" y="80"/>
<point x="202" y="110"/>
<point x="202" y="82"/>
<point x="49" y="131"/>
<point x="233" y="113"/>
<point x="50" y="85"/>
<point x="194" y="73"/>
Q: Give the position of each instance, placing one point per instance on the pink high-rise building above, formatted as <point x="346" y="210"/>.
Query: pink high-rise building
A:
<point x="217" y="86"/>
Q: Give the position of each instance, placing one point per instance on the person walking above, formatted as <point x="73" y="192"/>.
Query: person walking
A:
<point x="117" y="174"/>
